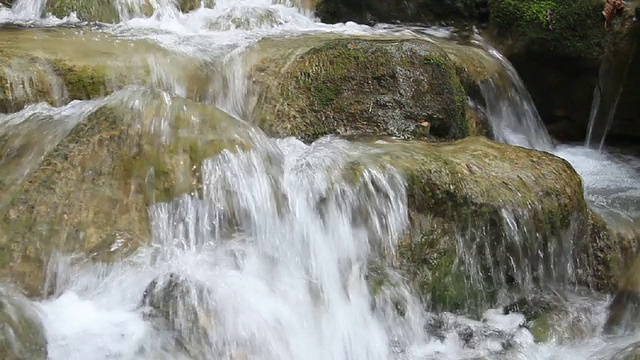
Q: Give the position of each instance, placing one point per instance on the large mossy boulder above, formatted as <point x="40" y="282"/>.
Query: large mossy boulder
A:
<point x="490" y="220"/>
<point x="90" y="193"/>
<point x="406" y="88"/>
<point x="22" y="334"/>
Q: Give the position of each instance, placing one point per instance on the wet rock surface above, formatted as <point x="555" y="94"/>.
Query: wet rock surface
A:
<point x="185" y="306"/>
<point x="22" y="335"/>
<point x="91" y="191"/>
<point x="475" y="206"/>
<point x="367" y="87"/>
<point x="624" y="309"/>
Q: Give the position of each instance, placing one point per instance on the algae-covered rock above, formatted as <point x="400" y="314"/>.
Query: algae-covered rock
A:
<point x="488" y="217"/>
<point x="363" y="87"/>
<point x="21" y="332"/>
<point x="91" y="191"/>
<point x="58" y="66"/>
<point x="555" y="28"/>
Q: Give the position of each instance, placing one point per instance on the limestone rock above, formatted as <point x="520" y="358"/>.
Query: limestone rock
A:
<point x="58" y="66"/>
<point x="106" y="11"/>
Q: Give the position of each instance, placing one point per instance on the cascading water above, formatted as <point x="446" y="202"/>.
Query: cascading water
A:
<point x="610" y="181"/>
<point x="514" y="117"/>
<point x="28" y="9"/>
<point x="270" y="257"/>
<point x="611" y="79"/>
<point x="282" y="279"/>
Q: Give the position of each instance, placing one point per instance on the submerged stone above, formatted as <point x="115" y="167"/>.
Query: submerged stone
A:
<point x="364" y="87"/>
<point x="187" y="309"/>
<point x="21" y="332"/>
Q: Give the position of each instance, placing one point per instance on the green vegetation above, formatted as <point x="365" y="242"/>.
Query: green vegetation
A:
<point x="576" y="30"/>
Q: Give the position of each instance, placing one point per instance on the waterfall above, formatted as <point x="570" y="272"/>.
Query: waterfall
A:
<point x="28" y="9"/>
<point x="275" y="248"/>
<point x="281" y="243"/>
<point x="511" y="111"/>
<point x="610" y="82"/>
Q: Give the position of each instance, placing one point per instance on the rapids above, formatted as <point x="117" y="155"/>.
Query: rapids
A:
<point x="281" y="238"/>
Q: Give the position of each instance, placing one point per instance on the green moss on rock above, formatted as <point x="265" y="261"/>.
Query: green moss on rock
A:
<point x="574" y="30"/>
<point x="82" y="81"/>
<point x="364" y="87"/>
<point x="106" y="11"/>
<point x="475" y="206"/>
<point x="29" y="79"/>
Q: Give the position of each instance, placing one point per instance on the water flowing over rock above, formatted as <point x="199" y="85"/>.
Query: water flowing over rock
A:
<point x="617" y="58"/>
<point x="624" y="310"/>
<point x="186" y="307"/>
<point x="558" y="48"/>
<point x="631" y="352"/>
<point x="484" y="222"/>
<point x="59" y="66"/>
<point x="91" y="190"/>
<point x="149" y="216"/>
<point x="21" y="331"/>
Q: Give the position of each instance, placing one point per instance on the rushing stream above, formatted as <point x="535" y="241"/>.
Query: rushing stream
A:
<point x="271" y="259"/>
